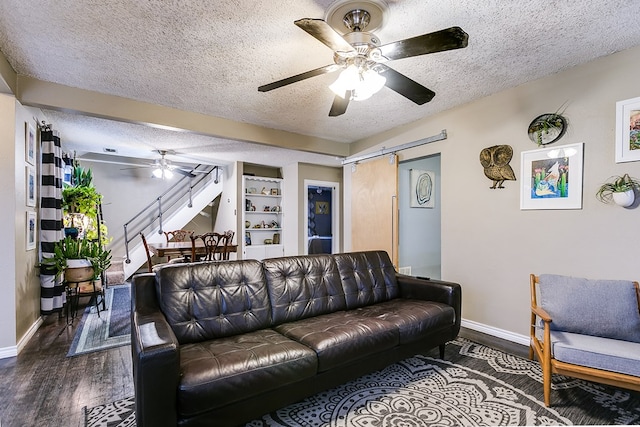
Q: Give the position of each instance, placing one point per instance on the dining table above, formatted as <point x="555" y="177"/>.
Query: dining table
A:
<point x="184" y="248"/>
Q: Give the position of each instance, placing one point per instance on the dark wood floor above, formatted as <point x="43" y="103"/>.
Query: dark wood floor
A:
<point x="43" y="387"/>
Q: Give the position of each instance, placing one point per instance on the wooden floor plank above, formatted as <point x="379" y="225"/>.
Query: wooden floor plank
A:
<point x="43" y="387"/>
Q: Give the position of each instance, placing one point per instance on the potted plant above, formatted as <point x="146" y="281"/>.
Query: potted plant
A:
<point x="80" y="201"/>
<point x="78" y="259"/>
<point x="619" y="189"/>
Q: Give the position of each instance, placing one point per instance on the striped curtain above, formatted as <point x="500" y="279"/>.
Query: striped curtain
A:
<point x="52" y="296"/>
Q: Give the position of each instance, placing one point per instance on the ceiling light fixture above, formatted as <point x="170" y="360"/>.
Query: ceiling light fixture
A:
<point x="360" y="80"/>
<point x="162" y="168"/>
<point x="162" y="173"/>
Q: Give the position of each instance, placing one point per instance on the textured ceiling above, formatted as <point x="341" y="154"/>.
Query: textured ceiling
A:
<point x="210" y="57"/>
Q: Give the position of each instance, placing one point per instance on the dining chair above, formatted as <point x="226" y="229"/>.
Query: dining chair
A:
<point x="215" y="245"/>
<point x="177" y="236"/>
<point x="150" y="265"/>
<point x="229" y="234"/>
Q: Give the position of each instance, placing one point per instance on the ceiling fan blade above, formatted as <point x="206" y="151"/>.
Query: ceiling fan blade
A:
<point x="327" y="35"/>
<point x="184" y="172"/>
<point x="406" y="87"/>
<point x="339" y="106"/>
<point x="298" y="77"/>
<point x="447" y="39"/>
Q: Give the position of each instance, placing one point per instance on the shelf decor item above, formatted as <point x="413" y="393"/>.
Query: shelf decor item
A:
<point x="619" y="190"/>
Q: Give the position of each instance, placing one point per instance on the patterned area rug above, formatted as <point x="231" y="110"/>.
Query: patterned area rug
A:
<point x="474" y="386"/>
<point x="112" y="328"/>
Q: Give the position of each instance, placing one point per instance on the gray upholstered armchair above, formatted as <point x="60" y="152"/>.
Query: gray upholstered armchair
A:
<point x="588" y="329"/>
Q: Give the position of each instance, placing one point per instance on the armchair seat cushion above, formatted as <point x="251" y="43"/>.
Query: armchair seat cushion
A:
<point x="596" y="352"/>
<point x="234" y="368"/>
<point x="414" y="319"/>
<point x="341" y="337"/>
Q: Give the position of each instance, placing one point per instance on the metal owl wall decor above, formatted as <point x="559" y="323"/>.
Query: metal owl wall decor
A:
<point x="495" y="161"/>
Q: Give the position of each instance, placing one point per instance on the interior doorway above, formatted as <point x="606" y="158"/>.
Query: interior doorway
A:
<point x="322" y="217"/>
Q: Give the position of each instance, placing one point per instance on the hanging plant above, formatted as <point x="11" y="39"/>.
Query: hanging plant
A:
<point x="80" y="199"/>
<point x="620" y="189"/>
<point x="549" y="127"/>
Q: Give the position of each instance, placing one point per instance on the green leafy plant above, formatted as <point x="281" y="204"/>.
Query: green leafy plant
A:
<point x="69" y="248"/>
<point x="616" y="184"/>
<point x="82" y="177"/>
<point x="80" y="199"/>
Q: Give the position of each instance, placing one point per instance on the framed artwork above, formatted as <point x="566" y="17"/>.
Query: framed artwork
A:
<point x="31" y="230"/>
<point x="551" y="178"/>
<point x="628" y="130"/>
<point x="29" y="143"/>
<point x="422" y="191"/>
<point x="30" y="180"/>
<point x="322" y="208"/>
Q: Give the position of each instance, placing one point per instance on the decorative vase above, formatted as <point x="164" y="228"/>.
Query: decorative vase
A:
<point x="625" y="199"/>
<point x="78" y="270"/>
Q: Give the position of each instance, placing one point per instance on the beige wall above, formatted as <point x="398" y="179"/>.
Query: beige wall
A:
<point x="20" y="287"/>
<point x="489" y="245"/>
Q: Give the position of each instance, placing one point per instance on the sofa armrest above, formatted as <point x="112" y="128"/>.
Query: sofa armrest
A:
<point x="156" y="358"/>
<point x="432" y="290"/>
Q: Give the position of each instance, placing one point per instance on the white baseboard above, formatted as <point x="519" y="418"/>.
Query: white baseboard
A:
<point x="6" y="352"/>
<point x="496" y="332"/>
<point x="13" y="351"/>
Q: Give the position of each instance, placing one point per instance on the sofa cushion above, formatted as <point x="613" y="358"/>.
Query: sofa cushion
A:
<point x="208" y="300"/>
<point x="414" y="319"/>
<point x="303" y="286"/>
<point x="219" y="372"/>
<point x="367" y="278"/>
<point x="596" y="352"/>
<point x="603" y="308"/>
<point x="341" y="337"/>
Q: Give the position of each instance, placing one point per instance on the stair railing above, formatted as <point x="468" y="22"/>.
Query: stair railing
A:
<point x="163" y="204"/>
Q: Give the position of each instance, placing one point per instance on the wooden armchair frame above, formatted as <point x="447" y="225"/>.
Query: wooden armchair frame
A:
<point x="542" y="351"/>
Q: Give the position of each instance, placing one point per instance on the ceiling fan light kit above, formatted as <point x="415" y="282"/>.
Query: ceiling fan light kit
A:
<point x="347" y="30"/>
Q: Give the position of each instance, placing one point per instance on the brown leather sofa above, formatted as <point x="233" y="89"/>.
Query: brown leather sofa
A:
<point x="222" y="343"/>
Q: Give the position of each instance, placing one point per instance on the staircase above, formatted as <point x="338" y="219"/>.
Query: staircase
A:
<point x="176" y="217"/>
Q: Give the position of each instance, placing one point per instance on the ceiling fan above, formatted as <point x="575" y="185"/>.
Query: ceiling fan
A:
<point x="361" y="57"/>
<point x="164" y="169"/>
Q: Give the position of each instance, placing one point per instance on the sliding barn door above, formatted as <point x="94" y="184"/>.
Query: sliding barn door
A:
<point x="374" y="206"/>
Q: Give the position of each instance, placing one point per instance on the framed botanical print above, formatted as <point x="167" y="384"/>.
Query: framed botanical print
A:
<point x="29" y="143"/>
<point x="31" y="185"/>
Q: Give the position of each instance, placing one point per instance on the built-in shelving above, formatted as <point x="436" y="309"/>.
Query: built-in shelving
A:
<point x="262" y="217"/>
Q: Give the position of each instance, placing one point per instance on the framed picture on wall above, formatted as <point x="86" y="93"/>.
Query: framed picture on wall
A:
<point x="30" y="179"/>
<point x="628" y="130"/>
<point x="422" y="191"/>
<point x="29" y="143"/>
<point x="551" y="178"/>
<point x="31" y="230"/>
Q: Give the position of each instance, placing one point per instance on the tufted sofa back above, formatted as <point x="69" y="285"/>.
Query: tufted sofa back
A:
<point x="207" y="300"/>
<point x="367" y="277"/>
<point x="303" y="286"/>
